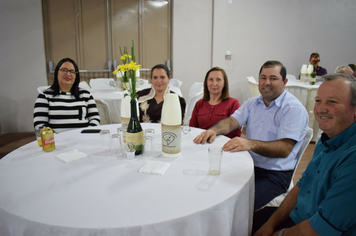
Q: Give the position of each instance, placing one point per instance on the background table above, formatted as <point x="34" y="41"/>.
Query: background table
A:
<point x="113" y="98"/>
<point x="106" y="195"/>
<point x="306" y="93"/>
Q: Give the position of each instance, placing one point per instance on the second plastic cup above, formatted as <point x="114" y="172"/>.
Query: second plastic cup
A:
<point x="38" y="136"/>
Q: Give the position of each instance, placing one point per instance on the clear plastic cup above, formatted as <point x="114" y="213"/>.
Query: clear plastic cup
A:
<point x="215" y="156"/>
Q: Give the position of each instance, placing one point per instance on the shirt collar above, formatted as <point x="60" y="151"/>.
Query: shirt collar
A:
<point x="64" y="93"/>
<point x="339" y="139"/>
<point x="277" y="101"/>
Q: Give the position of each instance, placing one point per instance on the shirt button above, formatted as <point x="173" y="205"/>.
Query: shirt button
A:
<point x="308" y="192"/>
<point x="296" y="208"/>
<point x="318" y="171"/>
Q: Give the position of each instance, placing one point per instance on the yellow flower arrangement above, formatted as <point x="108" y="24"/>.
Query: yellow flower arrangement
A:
<point x="128" y="66"/>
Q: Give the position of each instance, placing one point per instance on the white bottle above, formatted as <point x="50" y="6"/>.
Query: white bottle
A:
<point x="309" y="72"/>
<point x="171" y="120"/>
<point x="303" y="74"/>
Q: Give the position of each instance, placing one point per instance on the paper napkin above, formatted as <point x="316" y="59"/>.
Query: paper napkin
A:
<point x="155" y="167"/>
<point x="71" y="156"/>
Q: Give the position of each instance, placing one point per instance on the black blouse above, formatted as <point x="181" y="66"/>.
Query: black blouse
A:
<point x="150" y="111"/>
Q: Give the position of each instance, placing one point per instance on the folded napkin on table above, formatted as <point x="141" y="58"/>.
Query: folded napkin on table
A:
<point x="71" y="156"/>
<point x="154" y="167"/>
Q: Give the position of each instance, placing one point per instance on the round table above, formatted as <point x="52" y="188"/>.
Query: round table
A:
<point x="103" y="194"/>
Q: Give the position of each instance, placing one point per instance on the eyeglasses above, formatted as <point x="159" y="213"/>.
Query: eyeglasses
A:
<point x="65" y="71"/>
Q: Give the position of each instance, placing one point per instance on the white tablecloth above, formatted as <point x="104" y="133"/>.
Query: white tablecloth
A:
<point x="106" y="195"/>
<point x="306" y="93"/>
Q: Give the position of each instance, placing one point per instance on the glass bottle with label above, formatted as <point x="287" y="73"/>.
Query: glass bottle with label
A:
<point x="134" y="133"/>
<point x="313" y="76"/>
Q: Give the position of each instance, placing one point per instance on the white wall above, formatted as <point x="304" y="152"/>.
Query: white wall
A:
<point x="257" y="31"/>
<point x="192" y="48"/>
<point x="254" y="31"/>
<point x="22" y="64"/>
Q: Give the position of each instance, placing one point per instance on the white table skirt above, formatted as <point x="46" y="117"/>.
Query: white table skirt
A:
<point x="306" y="93"/>
<point x="106" y="195"/>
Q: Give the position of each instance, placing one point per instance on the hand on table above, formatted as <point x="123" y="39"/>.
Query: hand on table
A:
<point x="207" y="136"/>
<point x="237" y="144"/>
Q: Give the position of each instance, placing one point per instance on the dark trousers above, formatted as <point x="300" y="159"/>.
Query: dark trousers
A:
<point x="261" y="216"/>
<point x="269" y="184"/>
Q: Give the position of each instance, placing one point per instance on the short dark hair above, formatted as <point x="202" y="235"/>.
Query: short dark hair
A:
<point x="272" y="63"/>
<point x="352" y="66"/>
<point x="75" y="87"/>
<point x="224" y="93"/>
<point x="161" y="66"/>
<point x="347" y="77"/>
<point x="314" y="54"/>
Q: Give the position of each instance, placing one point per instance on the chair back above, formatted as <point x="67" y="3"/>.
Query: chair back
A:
<point x="104" y="113"/>
<point x="41" y="89"/>
<point x="190" y="107"/>
<point x="195" y="89"/>
<point x="84" y="85"/>
<point x="279" y="199"/>
<point x="176" y="90"/>
<point x="304" y="146"/>
<point x="291" y="77"/>
<point x="101" y="83"/>
<point x="144" y="86"/>
<point x="253" y="87"/>
<point x="175" y="82"/>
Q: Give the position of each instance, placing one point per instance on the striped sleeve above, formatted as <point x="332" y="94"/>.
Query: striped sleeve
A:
<point x="40" y="113"/>
<point x="93" y="113"/>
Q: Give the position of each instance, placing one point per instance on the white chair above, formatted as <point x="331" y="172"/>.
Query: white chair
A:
<point x="190" y="107"/>
<point x="101" y="83"/>
<point x="143" y="86"/>
<point x="175" y="82"/>
<point x="104" y="113"/>
<point x="84" y="85"/>
<point x="195" y="89"/>
<point x="176" y="90"/>
<point x="41" y="89"/>
<point x="279" y="199"/>
<point x="291" y="77"/>
<point x="253" y="86"/>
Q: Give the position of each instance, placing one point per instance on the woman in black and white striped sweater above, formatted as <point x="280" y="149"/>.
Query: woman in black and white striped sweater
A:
<point x="64" y="105"/>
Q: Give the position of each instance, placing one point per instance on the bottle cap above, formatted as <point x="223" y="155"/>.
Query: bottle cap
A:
<point x="171" y="110"/>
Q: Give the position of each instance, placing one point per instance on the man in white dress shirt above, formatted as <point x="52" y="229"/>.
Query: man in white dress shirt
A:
<point x="276" y="124"/>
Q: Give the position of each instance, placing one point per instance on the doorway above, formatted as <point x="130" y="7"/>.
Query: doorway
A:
<point x="92" y="31"/>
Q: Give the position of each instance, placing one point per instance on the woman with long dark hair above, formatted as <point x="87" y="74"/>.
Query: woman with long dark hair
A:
<point x="151" y="100"/>
<point x="64" y="105"/>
